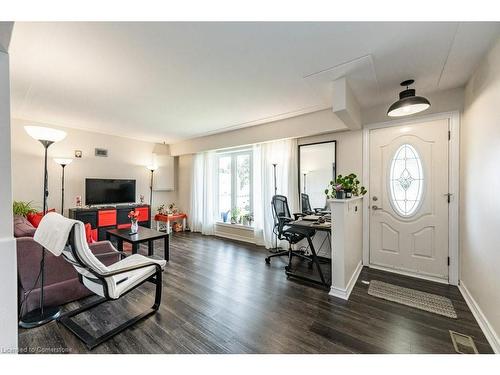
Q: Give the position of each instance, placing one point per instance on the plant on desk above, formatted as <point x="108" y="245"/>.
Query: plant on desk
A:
<point x="345" y="187"/>
<point x="134" y="217"/>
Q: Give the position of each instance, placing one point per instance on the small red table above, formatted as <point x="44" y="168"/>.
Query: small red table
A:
<point x="168" y="218"/>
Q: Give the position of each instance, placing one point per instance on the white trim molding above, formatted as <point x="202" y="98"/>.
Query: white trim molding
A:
<point x="345" y="293"/>
<point x="454" y="187"/>
<point x="484" y="324"/>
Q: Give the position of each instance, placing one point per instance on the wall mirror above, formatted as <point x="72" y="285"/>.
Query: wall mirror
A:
<point x="317" y="167"/>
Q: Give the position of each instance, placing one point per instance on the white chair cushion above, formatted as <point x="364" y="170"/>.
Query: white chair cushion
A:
<point x="120" y="284"/>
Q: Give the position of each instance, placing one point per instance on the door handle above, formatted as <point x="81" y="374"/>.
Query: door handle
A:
<point x="376" y="208"/>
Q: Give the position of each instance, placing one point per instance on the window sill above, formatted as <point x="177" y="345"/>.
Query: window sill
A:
<point x="238" y="226"/>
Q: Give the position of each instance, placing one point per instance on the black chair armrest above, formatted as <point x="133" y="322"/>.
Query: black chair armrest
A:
<point x="298" y="215"/>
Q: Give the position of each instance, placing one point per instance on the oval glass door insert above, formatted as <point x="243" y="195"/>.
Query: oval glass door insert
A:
<point x="406" y="180"/>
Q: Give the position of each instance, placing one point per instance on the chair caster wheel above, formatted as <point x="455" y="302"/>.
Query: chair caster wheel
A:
<point x="268" y="261"/>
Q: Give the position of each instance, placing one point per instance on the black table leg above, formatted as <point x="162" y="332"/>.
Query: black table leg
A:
<point x="108" y="237"/>
<point x="167" y="247"/>
<point x="150" y="248"/>
<point x="135" y="247"/>
<point x="120" y="244"/>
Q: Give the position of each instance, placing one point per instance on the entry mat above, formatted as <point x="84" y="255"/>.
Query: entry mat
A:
<point x="413" y="298"/>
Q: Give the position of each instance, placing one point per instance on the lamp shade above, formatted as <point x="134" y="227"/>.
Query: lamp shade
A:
<point x="41" y="133"/>
<point x="408" y="103"/>
<point x="63" y="161"/>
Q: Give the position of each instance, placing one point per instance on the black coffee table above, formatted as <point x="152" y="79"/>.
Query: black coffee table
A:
<point x="143" y="235"/>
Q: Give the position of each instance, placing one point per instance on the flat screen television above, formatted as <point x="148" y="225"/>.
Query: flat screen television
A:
<point x="109" y="191"/>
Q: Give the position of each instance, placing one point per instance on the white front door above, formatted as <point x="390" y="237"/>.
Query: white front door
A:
<point x="408" y="198"/>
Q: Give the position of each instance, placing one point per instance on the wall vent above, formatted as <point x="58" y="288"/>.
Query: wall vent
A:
<point x="101" y="152"/>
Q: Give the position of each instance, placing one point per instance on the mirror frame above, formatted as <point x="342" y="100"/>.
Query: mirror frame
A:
<point x="335" y="164"/>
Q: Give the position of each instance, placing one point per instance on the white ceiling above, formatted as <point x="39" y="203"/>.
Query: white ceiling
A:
<point x="173" y="81"/>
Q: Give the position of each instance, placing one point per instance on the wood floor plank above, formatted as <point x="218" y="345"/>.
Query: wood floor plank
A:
<point x="219" y="296"/>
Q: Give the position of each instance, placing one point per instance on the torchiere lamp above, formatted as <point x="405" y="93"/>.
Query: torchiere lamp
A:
<point x="275" y="249"/>
<point x="63" y="162"/>
<point x="43" y="314"/>
<point x="152" y="168"/>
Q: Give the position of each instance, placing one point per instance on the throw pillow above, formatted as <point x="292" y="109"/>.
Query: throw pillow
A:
<point x="22" y="227"/>
<point x="35" y="219"/>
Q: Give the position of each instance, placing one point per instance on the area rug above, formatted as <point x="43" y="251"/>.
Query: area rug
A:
<point x="413" y="298"/>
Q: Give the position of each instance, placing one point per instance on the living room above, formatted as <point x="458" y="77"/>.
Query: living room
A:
<point x="250" y="188"/>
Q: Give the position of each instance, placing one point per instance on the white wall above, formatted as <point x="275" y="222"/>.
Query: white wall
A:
<point x="127" y="159"/>
<point x="300" y="126"/>
<point x="8" y="266"/>
<point x="480" y="187"/>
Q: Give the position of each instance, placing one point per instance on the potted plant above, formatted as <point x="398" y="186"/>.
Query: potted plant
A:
<point x="21" y="208"/>
<point x="345" y="187"/>
<point x="235" y="215"/>
<point x="161" y="210"/>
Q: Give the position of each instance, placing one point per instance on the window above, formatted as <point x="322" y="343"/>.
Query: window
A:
<point x="406" y="180"/>
<point x="234" y="193"/>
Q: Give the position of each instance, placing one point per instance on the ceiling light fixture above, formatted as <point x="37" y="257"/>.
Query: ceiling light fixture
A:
<point x="408" y="103"/>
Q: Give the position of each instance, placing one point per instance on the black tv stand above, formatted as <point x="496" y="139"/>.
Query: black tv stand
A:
<point x="104" y="218"/>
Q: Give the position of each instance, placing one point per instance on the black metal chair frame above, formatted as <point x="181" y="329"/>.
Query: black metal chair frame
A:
<point x="65" y="319"/>
<point x="287" y="235"/>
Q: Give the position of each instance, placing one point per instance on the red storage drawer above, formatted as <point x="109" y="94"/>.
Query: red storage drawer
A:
<point x="143" y="213"/>
<point x="106" y="218"/>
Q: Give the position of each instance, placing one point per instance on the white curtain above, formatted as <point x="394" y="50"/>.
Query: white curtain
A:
<point x="284" y="154"/>
<point x="203" y="195"/>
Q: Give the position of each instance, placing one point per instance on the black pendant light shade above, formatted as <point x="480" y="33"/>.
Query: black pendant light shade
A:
<point x="408" y="103"/>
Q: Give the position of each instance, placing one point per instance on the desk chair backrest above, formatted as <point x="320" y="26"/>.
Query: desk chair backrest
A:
<point x="305" y="204"/>
<point x="281" y="211"/>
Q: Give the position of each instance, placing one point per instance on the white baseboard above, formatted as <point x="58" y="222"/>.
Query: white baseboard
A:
<point x="235" y="237"/>
<point x="345" y="293"/>
<point x="485" y="326"/>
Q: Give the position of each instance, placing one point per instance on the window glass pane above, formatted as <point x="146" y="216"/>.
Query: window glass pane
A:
<point x="406" y="180"/>
<point x="225" y="188"/>
<point x="243" y="205"/>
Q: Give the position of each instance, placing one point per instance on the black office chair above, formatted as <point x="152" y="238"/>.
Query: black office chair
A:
<point x="281" y="215"/>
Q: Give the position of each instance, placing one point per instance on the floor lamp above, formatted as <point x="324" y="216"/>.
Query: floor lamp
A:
<point x="152" y="169"/>
<point x="43" y="314"/>
<point x="63" y="162"/>
<point x="275" y="248"/>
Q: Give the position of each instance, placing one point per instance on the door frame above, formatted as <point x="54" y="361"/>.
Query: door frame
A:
<point x="453" y="118"/>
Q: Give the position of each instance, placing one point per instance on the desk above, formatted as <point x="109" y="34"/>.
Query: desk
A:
<point x="168" y="218"/>
<point x="142" y="235"/>
<point x="315" y="259"/>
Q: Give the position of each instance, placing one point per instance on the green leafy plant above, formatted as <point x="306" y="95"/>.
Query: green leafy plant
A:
<point x="235" y="215"/>
<point x="346" y="183"/>
<point x="23" y="208"/>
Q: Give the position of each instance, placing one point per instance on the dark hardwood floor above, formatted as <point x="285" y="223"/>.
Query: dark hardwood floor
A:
<point x="219" y="296"/>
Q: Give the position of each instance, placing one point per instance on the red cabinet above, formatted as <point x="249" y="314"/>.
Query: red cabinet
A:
<point x="143" y="213"/>
<point x="106" y="218"/>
